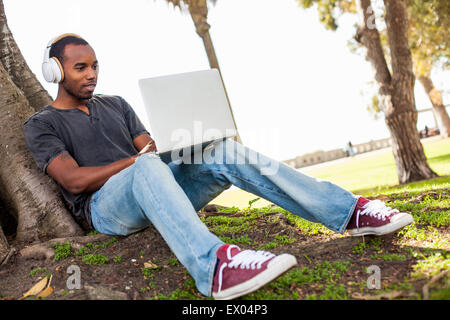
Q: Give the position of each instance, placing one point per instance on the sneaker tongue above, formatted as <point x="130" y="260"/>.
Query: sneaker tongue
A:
<point x="222" y="252"/>
<point x="362" y="201"/>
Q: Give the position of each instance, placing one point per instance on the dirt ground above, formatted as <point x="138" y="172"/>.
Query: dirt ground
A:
<point x="141" y="266"/>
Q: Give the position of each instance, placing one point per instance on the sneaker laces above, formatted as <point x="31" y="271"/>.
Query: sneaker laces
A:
<point x="247" y="259"/>
<point x="376" y="209"/>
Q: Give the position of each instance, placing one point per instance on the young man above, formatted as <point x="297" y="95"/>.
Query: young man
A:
<point x="109" y="171"/>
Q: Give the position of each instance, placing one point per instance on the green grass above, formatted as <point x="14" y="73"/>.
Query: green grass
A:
<point x="325" y="275"/>
<point x="94" y="259"/>
<point x="62" y="251"/>
<point x="379" y="169"/>
<point x="389" y="257"/>
<point x="367" y="175"/>
<point x="306" y="227"/>
<point x="38" y="271"/>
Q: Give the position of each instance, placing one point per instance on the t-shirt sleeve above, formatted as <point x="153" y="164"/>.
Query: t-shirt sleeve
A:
<point x="42" y="142"/>
<point x="134" y="125"/>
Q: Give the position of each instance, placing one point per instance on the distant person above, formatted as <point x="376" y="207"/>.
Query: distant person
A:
<point x="349" y="149"/>
<point x="109" y="170"/>
<point x="426" y="131"/>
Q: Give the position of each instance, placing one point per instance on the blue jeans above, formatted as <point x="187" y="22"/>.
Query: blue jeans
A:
<point x="168" y="195"/>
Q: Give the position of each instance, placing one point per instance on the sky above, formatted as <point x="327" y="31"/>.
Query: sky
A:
<point x="294" y="87"/>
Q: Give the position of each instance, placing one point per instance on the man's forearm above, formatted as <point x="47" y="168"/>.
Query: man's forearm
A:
<point x="87" y="179"/>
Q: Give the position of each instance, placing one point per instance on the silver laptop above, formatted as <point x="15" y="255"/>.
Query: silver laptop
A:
<point x="186" y="112"/>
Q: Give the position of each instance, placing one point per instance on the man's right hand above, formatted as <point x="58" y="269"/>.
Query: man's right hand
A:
<point x="149" y="147"/>
<point x="144" y="143"/>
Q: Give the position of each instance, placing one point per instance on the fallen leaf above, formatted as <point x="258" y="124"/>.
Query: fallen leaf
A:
<point x="38" y="287"/>
<point x="150" y="265"/>
<point x="45" y="293"/>
<point x="50" y="280"/>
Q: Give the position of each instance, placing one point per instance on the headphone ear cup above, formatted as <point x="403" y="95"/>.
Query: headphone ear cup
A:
<point x="47" y="71"/>
<point x="57" y="70"/>
<point x="52" y="70"/>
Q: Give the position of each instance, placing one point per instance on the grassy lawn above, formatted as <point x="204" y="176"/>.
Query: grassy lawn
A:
<point x="379" y="170"/>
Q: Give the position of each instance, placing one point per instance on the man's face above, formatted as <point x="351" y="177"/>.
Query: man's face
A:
<point x="80" y="71"/>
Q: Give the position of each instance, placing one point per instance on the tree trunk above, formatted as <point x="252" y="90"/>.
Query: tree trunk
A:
<point x="396" y="91"/>
<point x="442" y="118"/>
<point x="409" y="155"/>
<point x="32" y="197"/>
<point x="199" y="17"/>
<point x="199" y="13"/>
<point x="27" y="194"/>
<point x="17" y="68"/>
<point x="4" y="247"/>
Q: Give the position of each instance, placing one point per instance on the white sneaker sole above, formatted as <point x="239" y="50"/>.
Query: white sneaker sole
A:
<point x="275" y="268"/>
<point x="399" y="221"/>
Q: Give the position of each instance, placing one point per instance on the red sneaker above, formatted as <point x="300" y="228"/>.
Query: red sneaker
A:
<point x="374" y="217"/>
<point x="241" y="272"/>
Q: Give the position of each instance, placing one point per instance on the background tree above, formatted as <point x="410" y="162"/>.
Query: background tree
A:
<point x="198" y="10"/>
<point x="395" y="82"/>
<point x="31" y="201"/>
<point x="429" y="38"/>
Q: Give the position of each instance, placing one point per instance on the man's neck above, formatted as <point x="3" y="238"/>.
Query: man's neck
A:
<point x="67" y="101"/>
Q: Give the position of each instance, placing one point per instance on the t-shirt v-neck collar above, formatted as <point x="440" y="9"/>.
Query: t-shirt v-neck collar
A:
<point x="88" y="105"/>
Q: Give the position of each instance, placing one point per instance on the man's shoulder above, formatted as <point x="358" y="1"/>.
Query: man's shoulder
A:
<point x="42" y="115"/>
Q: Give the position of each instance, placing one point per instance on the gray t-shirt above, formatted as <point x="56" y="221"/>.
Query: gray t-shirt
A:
<point x="100" y="138"/>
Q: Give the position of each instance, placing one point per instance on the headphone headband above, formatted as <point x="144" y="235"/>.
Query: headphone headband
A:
<point x="64" y="35"/>
<point x="51" y="67"/>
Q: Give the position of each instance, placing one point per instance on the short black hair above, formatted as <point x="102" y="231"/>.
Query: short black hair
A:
<point x="57" y="49"/>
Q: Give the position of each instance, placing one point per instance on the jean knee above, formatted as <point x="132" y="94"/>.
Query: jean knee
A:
<point x="149" y="160"/>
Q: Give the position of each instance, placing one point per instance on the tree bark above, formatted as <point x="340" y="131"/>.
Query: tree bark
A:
<point x="4" y="246"/>
<point x="32" y="197"/>
<point x="369" y="37"/>
<point x="396" y="90"/>
<point x="17" y="68"/>
<point x="440" y="113"/>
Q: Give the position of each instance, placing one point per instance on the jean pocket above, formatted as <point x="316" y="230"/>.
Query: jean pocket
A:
<point x="94" y="197"/>
<point x="109" y="226"/>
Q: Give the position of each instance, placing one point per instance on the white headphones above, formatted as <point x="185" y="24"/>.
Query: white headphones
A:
<point x="51" y="67"/>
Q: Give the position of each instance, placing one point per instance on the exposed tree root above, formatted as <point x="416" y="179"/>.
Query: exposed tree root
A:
<point x="46" y="251"/>
<point x="11" y="252"/>
<point x="426" y="287"/>
<point x="4" y="247"/>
